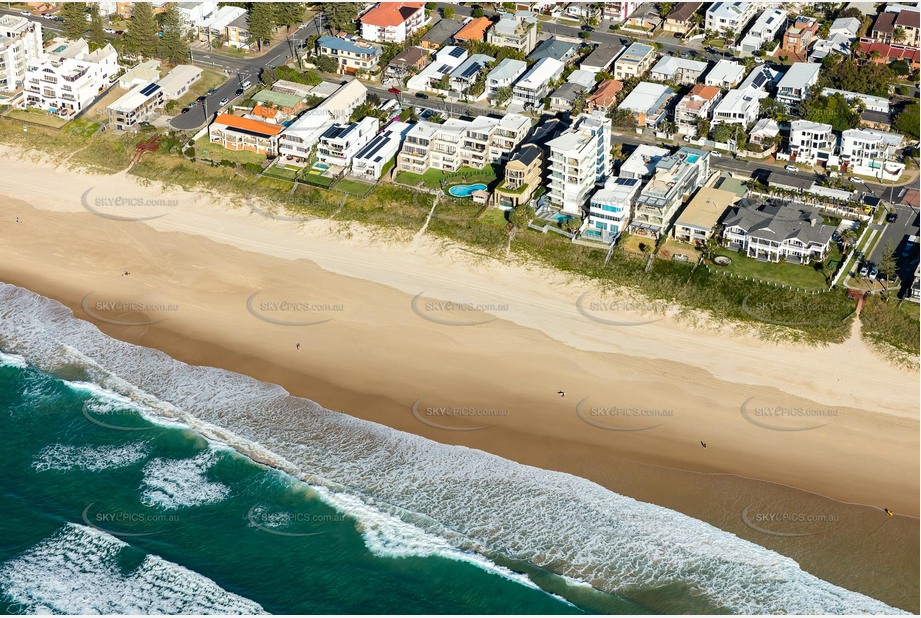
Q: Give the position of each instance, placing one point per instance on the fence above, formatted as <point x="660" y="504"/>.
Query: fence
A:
<point x="765" y="282"/>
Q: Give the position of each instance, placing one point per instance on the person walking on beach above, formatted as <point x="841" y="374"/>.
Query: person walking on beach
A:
<point x="888" y="512"/>
<point x="298" y="346"/>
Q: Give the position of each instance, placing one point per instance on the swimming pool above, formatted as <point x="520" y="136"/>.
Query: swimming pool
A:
<point x="465" y="190"/>
<point x="560" y="217"/>
<point x="320" y="166"/>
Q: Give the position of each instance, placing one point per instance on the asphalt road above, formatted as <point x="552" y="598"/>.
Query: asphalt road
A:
<point x="240" y="70"/>
<point x="47" y="24"/>
<point x="897" y="234"/>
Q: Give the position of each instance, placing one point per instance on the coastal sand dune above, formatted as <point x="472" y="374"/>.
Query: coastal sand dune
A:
<point x="226" y="287"/>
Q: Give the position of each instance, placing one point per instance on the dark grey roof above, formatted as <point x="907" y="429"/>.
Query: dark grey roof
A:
<point x="544" y="131"/>
<point x="789" y="180"/>
<point x="603" y="55"/>
<point x="553" y="48"/>
<point x="876" y="117"/>
<point x="568" y="92"/>
<point x="779" y="221"/>
<point x="527" y="154"/>
<point x="409" y="56"/>
<point x="441" y="32"/>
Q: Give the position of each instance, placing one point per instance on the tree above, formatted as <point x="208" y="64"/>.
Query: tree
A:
<point x="723" y="132"/>
<point x="141" y="36"/>
<point x="74" y="16"/>
<point x="503" y="94"/>
<point x="907" y="121"/>
<point x="289" y="14"/>
<point x="447" y="12"/>
<point x="665" y="8"/>
<point x="833" y="110"/>
<point x="773" y="109"/>
<point x="341" y="15"/>
<point x="703" y="128"/>
<point x="898" y="35"/>
<point x="846" y="74"/>
<point x="477" y="13"/>
<point x="97" y="29"/>
<point x="623" y="118"/>
<point x="173" y="45"/>
<point x="326" y="64"/>
<point x="520" y="217"/>
<point x="261" y="22"/>
<point x="268" y="75"/>
<point x="887" y="259"/>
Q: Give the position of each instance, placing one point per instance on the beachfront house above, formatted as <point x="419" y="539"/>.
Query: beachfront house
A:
<point x="697" y="221"/>
<point x="20" y="43"/>
<point x="872" y="153"/>
<point x="446" y="60"/>
<point x="610" y="208"/>
<point x="370" y="161"/>
<point x="341" y="142"/>
<point x="775" y="231"/>
<point x="236" y="133"/>
<point x="141" y="104"/>
<point x="522" y="177"/>
<point x="676" y="177"/>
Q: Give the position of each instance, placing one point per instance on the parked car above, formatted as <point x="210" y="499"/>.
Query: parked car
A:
<point x="891" y="217"/>
<point x="211" y="91"/>
<point x="47" y="15"/>
<point x="224" y="101"/>
<point x="716" y="153"/>
<point x="873" y="273"/>
<point x="882" y="277"/>
<point x="246" y="84"/>
<point x="864" y="270"/>
<point x="421" y="95"/>
<point x="58" y="18"/>
<point x="394" y="90"/>
<point x="202" y="98"/>
<point x="26" y="13"/>
<point x="239" y="91"/>
<point x="791" y="168"/>
<point x="185" y="109"/>
<point x="687" y="138"/>
<point x="108" y="31"/>
<point x="587" y="28"/>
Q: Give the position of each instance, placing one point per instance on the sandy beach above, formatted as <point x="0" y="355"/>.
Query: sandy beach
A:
<point x="360" y="324"/>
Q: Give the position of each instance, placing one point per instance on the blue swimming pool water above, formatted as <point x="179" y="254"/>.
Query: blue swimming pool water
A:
<point x="466" y="190"/>
<point x="693" y="158"/>
<point x="560" y="217"/>
<point x="320" y="166"/>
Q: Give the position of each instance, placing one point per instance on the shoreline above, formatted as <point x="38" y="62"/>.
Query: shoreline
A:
<point x="348" y="364"/>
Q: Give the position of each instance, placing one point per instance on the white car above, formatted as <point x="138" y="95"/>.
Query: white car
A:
<point x="715" y="153"/>
<point x="26" y="13"/>
<point x="224" y="101"/>
<point x="108" y="30"/>
<point x="791" y="168"/>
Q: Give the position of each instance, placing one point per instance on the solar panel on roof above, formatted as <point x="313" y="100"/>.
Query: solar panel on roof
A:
<point x="149" y="89"/>
<point x="473" y="69"/>
<point x="457" y="52"/>
<point x="444" y="69"/>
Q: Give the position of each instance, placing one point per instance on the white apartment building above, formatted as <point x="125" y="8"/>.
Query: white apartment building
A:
<point x="535" y="85"/>
<point x="871" y="153"/>
<point x="677" y="176"/>
<point x="518" y="31"/>
<point x="461" y="143"/>
<point x="68" y="80"/>
<point x="618" y="12"/>
<point x="765" y="28"/>
<point x="340" y="143"/>
<point x="370" y="161"/>
<point x="695" y="105"/>
<point x="641" y="164"/>
<point x="141" y="104"/>
<point x="725" y="74"/>
<point x="20" y="42"/>
<point x="729" y="17"/>
<point x="392" y="22"/>
<point x="610" y="208"/>
<point x="299" y="138"/>
<point x="795" y="84"/>
<point x="580" y="159"/>
<point x="504" y="75"/>
<point x="195" y="15"/>
<point x="634" y="61"/>
<point x="811" y="142"/>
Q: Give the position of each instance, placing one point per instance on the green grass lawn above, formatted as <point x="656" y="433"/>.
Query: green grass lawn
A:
<point x="280" y="171"/>
<point x="37" y="116"/>
<point x="209" y="79"/>
<point x="494" y="216"/>
<point x="82" y="127"/>
<point x="431" y="178"/>
<point x="204" y="149"/>
<point x="796" y="275"/>
<point x="353" y="187"/>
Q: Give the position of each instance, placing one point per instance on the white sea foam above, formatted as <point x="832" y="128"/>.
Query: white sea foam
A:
<point x="12" y="360"/>
<point x="472" y="499"/>
<point x="179" y="483"/>
<point x="77" y="571"/>
<point x="92" y="458"/>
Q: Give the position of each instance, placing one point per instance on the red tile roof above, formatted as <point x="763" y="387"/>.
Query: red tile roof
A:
<point x="606" y="93"/>
<point x="390" y="13"/>
<point x="892" y="52"/>
<point x="265" y="112"/>
<point x="247" y="124"/>
<point x="705" y="92"/>
<point x="473" y="30"/>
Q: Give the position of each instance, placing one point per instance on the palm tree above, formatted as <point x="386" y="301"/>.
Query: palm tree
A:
<point x="898" y="35"/>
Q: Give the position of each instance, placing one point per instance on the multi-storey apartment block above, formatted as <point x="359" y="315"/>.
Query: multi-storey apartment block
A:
<point x="695" y="105"/>
<point x="634" y="61"/>
<point x="340" y="143"/>
<point x="531" y="89"/>
<point x="350" y="54"/>
<point x="392" y="22"/>
<point x="518" y="31"/>
<point x="580" y="159"/>
<point x="811" y="142"/>
<point x="676" y="177"/>
<point x="610" y="208"/>
<point x="729" y="17"/>
<point x="20" y="42"/>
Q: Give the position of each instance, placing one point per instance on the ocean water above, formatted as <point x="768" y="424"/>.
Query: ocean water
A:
<point x="131" y="485"/>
